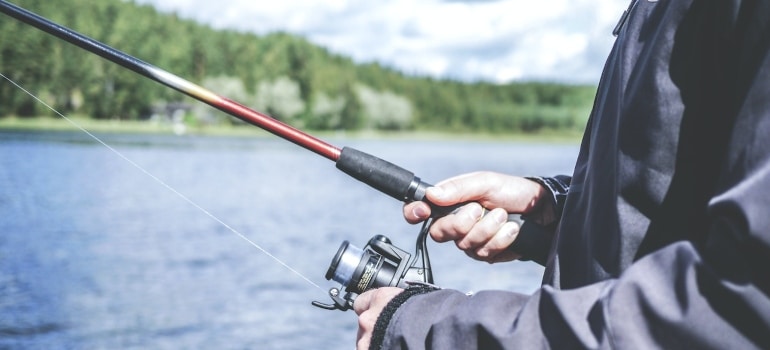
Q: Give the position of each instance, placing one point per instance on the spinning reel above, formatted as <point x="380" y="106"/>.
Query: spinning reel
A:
<point x="378" y="264"/>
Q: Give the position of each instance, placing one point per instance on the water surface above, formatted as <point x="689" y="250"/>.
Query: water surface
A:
<point x="96" y="254"/>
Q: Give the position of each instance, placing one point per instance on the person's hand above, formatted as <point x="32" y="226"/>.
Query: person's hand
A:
<point x="368" y="307"/>
<point x="482" y="236"/>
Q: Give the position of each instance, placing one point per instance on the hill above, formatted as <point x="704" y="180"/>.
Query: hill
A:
<point x="280" y="74"/>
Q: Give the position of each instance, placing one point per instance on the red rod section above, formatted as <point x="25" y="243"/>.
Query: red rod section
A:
<point x="278" y="128"/>
<point x="226" y="105"/>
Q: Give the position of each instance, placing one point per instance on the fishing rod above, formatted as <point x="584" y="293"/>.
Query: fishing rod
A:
<point x="382" y="175"/>
<point x="377" y="173"/>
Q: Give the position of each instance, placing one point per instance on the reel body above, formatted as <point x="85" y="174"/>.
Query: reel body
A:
<point x="378" y="264"/>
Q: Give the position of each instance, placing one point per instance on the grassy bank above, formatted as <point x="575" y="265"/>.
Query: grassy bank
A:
<point x="113" y="126"/>
<point x="149" y="127"/>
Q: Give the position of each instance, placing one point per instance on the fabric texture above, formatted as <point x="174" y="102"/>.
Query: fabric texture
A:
<point x="387" y="313"/>
<point x="664" y="237"/>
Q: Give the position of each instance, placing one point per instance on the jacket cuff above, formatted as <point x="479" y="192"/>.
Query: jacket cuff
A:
<point x="378" y="334"/>
<point x="558" y="186"/>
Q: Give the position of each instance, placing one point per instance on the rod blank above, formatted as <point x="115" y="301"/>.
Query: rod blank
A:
<point x="197" y="92"/>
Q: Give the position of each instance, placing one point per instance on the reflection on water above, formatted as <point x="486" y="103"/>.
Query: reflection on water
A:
<point x="96" y="254"/>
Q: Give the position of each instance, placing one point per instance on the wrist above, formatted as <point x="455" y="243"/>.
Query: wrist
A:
<point x="381" y="326"/>
<point x="552" y="192"/>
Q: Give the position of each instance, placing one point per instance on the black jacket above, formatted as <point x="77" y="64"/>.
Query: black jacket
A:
<point x="664" y="239"/>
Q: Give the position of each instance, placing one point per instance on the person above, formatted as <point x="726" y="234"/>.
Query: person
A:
<point x="661" y="236"/>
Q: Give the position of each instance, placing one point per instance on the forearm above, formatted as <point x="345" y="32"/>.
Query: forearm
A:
<point x="449" y="319"/>
<point x="652" y="305"/>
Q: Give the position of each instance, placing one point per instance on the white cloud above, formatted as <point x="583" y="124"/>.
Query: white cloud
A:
<point x="497" y="41"/>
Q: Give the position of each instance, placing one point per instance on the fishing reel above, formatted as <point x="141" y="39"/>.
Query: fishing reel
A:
<point x="378" y="264"/>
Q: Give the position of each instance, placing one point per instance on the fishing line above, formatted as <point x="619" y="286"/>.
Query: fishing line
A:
<point x="380" y="174"/>
<point x="164" y="184"/>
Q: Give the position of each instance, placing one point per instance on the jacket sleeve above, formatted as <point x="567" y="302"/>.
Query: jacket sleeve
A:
<point x="712" y="292"/>
<point x="674" y="298"/>
<point x="536" y="234"/>
<point x="557" y="187"/>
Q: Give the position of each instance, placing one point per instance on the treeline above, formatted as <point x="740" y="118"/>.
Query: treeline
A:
<point x="279" y="74"/>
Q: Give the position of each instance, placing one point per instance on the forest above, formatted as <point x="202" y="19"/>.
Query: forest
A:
<point x="280" y="74"/>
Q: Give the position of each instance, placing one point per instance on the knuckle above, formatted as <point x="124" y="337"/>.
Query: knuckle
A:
<point x="458" y="226"/>
<point x="363" y="324"/>
<point x="438" y="234"/>
<point x="463" y="244"/>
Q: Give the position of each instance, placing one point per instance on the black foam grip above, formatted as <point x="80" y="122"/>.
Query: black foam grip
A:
<point x="382" y="175"/>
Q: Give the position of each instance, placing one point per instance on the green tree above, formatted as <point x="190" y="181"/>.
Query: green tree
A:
<point x="279" y="73"/>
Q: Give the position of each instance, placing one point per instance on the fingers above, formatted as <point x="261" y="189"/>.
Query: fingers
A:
<point x="491" y="190"/>
<point x="482" y="237"/>
<point x="484" y="230"/>
<point x="496" y="249"/>
<point x="368" y="306"/>
<point x="366" y="322"/>
<point x="457" y="225"/>
<point x="375" y="300"/>
<point x="416" y="212"/>
<point x="362" y="302"/>
<point x="463" y="188"/>
<point x="459" y="189"/>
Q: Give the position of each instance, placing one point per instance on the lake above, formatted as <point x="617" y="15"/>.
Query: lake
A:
<point x="97" y="254"/>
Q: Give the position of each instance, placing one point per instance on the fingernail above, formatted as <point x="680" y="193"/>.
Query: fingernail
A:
<point x="475" y="212"/>
<point x="419" y="212"/>
<point x="436" y="192"/>
<point x="500" y="216"/>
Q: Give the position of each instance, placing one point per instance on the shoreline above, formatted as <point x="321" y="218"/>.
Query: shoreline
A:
<point x="55" y="124"/>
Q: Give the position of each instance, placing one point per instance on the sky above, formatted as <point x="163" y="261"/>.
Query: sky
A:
<point x="496" y="41"/>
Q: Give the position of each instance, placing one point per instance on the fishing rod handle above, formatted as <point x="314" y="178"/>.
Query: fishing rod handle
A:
<point x="388" y="178"/>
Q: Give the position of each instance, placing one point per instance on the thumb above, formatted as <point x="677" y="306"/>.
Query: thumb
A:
<point x="459" y="189"/>
<point x="440" y="196"/>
